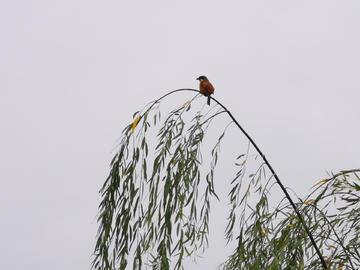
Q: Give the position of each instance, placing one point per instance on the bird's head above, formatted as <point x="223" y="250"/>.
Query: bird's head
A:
<point x="202" y="78"/>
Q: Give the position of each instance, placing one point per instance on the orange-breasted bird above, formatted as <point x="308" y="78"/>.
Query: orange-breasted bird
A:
<point x="206" y="87"/>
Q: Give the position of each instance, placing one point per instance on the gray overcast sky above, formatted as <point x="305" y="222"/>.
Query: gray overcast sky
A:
<point x="73" y="72"/>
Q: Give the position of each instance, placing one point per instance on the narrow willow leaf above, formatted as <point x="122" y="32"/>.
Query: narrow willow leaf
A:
<point x="143" y="143"/>
<point x="144" y="169"/>
<point x="134" y="124"/>
<point x="135" y="113"/>
<point x="146" y="150"/>
<point x="247" y="192"/>
<point x="321" y="182"/>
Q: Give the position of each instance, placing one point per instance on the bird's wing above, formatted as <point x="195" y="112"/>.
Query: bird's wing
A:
<point x="208" y="88"/>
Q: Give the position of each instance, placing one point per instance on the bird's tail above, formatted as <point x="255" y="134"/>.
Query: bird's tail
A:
<point x="208" y="102"/>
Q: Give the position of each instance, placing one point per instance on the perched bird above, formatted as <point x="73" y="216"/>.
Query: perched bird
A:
<point x="206" y="87"/>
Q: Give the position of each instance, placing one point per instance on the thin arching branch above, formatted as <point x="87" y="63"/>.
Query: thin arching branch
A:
<point x="268" y="165"/>
<point x="278" y="181"/>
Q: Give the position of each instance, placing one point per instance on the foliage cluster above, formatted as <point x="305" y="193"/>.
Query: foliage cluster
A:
<point x="156" y="204"/>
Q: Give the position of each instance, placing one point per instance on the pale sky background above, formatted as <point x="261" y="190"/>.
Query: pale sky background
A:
<point x="73" y="72"/>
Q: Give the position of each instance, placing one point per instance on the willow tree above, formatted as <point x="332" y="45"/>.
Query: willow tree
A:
<point x="156" y="201"/>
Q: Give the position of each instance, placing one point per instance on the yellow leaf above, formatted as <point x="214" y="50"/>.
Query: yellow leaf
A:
<point x="248" y="190"/>
<point x="262" y="233"/>
<point x="244" y="162"/>
<point x="309" y="201"/>
<point x="340" y="268"/>
<point x="123" y="172"/>
<point x="186" y="103"/>
<point x="134" y="124"/>
<point x="322" y="181"/>
<point x="290" y="225"/>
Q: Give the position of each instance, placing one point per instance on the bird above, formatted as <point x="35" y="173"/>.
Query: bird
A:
<point x="206" y="88"/>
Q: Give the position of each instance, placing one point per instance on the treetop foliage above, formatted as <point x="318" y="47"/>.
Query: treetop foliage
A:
<point x="156" y="203"/>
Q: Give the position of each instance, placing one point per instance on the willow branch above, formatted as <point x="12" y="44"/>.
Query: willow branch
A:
<point x="268" y="165"/>
<point x="279" y="183"/>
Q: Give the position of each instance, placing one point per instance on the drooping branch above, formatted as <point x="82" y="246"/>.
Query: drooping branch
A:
<point x="175" y="172"/>
<point x="278" y="181"/>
